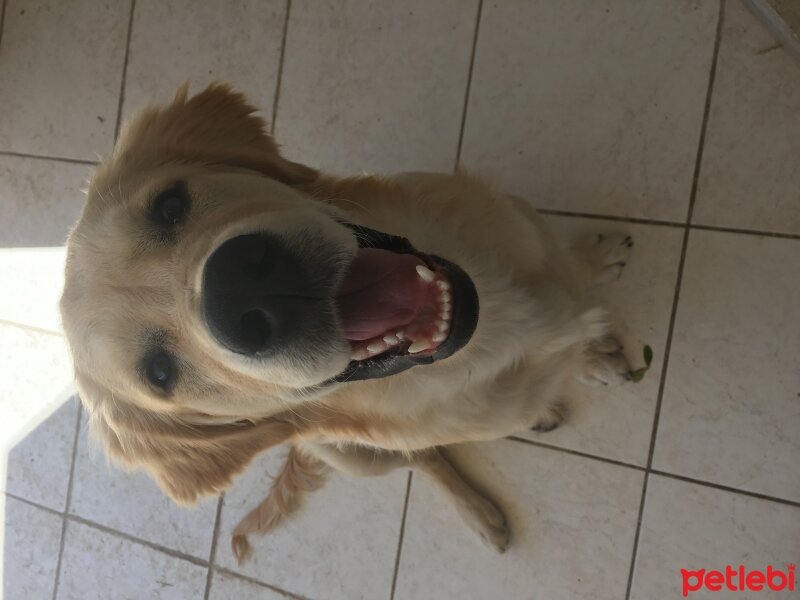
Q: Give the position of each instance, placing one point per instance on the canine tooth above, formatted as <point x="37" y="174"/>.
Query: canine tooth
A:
<point x="418" y="346"/>
<point x="425" y="273"/>
<point x="391" y="339"/>
<point x="375" y="347"/>
<point x="439" y="337"/>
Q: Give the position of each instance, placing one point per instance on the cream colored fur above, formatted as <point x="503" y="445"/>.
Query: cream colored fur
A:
<point x="537" y="333"/>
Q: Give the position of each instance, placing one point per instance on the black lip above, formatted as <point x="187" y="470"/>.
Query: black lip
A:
<point x="464" y="321"/>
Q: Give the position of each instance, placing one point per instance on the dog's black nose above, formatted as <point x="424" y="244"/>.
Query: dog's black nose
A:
<point x="256" y="294"/>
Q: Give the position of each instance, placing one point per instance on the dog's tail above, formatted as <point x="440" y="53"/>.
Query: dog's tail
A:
<point x="300" y="474"/>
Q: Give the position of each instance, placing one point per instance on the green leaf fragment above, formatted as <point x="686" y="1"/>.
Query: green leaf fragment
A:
<point x="648" y="355"/>
<point x="638" y="374"/>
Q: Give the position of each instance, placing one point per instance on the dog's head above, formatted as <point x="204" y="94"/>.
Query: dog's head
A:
<point x="208" y="292"/>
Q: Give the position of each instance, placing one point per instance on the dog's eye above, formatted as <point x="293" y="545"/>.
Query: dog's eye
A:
<point x="160" y="370"/>
<point x="171" y="206"/>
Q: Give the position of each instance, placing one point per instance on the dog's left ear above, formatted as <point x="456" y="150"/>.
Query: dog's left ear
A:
<point x="186" y="461"/>
<point x="216" y="127"/>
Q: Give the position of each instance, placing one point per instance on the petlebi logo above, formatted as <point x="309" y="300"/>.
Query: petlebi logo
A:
<point x="739" y="579"/>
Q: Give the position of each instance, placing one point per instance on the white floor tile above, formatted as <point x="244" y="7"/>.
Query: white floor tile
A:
<point x="35" y="442"/>
<point x="35" y="278"/>
<point x="341" y="546"/>
<point x="40" y="200"/>
<point x="203" y="42"/>
<point x="687" y="526"/>
<point x="617" y="422"/>
<point x="226" y="587"/>
<point x="61" y="75"/>
<point x="572" y="521"/>
<point x="133" y="503"/>
<point x="99" y="566"/>
<point x="30" y="550"/>
<point x="730" y="409"/>
<point x="38" y="465"/>
<point x="749" y="177"/>
<point x="591" y="106"/>
<point x="375" y="86"/>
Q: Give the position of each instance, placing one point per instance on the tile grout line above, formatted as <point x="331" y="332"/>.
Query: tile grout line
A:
<point x="726" y="488"/>
<point x="547" y="446"/>
<point x="584" y="215"/>
<point x="75" y="161"/>
<point x="258" y="582"/>
<point x="689" y="214"/>
<point x="660" y="223"/>
<point x="676" y="295"/>
<point x="118" y="123"/>
<point x="619" y="463"/>
<point x="279" y="78"/>
<point x="32" y="328"/>
<point x="774" y="234"/>
<point x="400" y="537"/>
<point x="152" y="545"/>
<point x="68" y="500"/>
<point x="35" y="504"/>
<point x="2" y="20"/>
<point x="213" y="552"/>
<point x="544" y="211"/>
<point x="469" y="85"/>
<point x="132" y="538"/>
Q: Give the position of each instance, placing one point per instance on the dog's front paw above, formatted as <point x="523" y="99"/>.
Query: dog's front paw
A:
<point x="606" y="364"/>
<point x="553" y="416"/>
<point x="494" y="530"/>
<point x="488" y="521"/>
<point x="608" y="255"/>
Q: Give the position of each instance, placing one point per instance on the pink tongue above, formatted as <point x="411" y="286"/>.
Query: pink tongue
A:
<point x="380" y="291"/>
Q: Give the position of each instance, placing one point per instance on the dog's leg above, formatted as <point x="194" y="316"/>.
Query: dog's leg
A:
<point x="551" y="417"/>
<point x="481" y="515"/>
<point x="606" y="255"/>
<point x="300" y="474"/>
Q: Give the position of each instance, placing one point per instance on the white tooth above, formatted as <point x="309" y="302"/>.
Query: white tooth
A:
<point x="391" y="339"/>
<point x="418" y="346"/>
<point x="439" y="337"/>
<point x="359" y="354"/>
<point x="376" y="347"/>
<point x="425" y="273"/>
<point x="443" y="285"/>
<point x="445" y="297"/>
<point x="445" y="305"/>
<point x="445" y="316"/>
<point x="400" y="335"/>
<point x="442" y="325"/>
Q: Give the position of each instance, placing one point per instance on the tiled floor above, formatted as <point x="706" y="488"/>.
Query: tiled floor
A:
<point x="678" y="122"/>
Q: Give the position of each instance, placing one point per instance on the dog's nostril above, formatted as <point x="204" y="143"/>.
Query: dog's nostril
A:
<point x="254" y="328"/>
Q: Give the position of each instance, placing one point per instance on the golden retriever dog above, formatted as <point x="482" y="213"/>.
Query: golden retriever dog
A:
<point x="221" y="300"/>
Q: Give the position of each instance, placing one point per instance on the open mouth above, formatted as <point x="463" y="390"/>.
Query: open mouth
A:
<point x="400" y="307"/>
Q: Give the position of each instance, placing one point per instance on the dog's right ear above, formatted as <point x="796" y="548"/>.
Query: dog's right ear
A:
<point x="215" y="127"/>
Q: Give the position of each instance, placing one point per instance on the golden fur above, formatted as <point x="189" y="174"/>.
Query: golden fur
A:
<point x="535" y="336"/>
